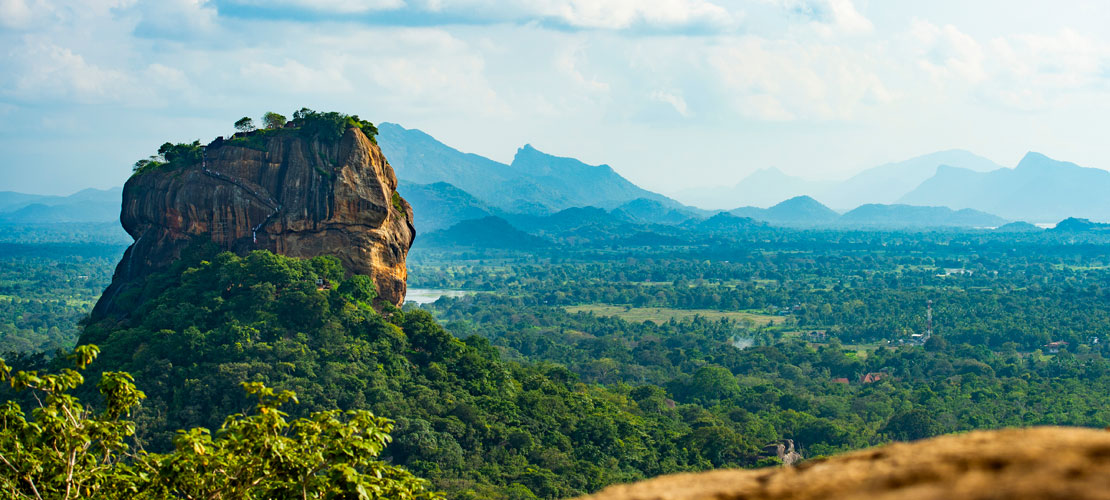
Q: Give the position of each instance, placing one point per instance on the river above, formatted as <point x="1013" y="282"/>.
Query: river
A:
<point x="429" y="295"/>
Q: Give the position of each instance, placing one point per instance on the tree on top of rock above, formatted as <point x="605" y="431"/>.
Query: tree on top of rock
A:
<point x="273" y="120"/>
<point x="245" y="124"/>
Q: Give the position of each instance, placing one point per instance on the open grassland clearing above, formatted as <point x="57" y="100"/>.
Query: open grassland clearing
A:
<point x="662" y="314"/>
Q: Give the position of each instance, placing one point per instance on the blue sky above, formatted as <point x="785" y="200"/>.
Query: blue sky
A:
<point x="671" y="93"/>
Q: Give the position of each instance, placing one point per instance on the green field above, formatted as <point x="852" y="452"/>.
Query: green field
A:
<point x="662" y="314"/>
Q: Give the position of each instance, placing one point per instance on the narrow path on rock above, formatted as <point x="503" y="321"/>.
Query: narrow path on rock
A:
<point x="273" y="205"/>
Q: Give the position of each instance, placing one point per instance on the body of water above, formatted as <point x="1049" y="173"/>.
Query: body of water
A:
<point x="429" y="295"/>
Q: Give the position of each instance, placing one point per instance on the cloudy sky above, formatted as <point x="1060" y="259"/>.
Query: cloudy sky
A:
<point x="671" y="93"/>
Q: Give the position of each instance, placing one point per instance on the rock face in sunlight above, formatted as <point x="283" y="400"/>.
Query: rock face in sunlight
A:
<point x="1044" y="462"/>
<point x="276" y="192"/>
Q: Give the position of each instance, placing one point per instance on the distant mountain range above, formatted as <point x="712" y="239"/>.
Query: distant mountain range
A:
<point x="1077" y="225"/>
<point x="88" y="205"/>
<point x="441" y="205"/>
<point x="592" y="225"/>
<point x="486" y="232"/>
<point x="1039" y="189"/>
<point x="887" y="184"/>
<point x="799" y="211"/>
<point x="803" y="211"/>
<point x="563" y="199"/>
<point x="874" y="215"/>
<point x="761" y="188"/>
<point x="446" y="186"/>
<point x="535" y="183"/>
<point x="882" y="184"/>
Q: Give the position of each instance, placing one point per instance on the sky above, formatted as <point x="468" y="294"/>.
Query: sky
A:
<point x="672" y="94"/>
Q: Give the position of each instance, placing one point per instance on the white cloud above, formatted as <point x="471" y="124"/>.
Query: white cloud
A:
<point x="1018" y="71"/>
<point x="294" y="77"/>
<point x="1065" y="60"/>
<point x="946" y="53"/>
<point x="783" y="80"/>
<point x="425" y="70"/>
<point x="674" y="99"/>
<point x="595" y="14"/>
<point x="586" y="14"/>
<point x="14" y="13"/>
<point x="180" y="19"/>
<point x="621" y="14"/>
<point x="46" y="71"/>
<point x="23" y="14"/>
<point x="829" y="17"/>
<point x="568" y="62"/>
<point x="339" y="6"/>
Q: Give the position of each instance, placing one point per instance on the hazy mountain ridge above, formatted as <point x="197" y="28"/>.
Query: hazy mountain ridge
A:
<point x="441" y="205"/>
<point x="883" y="184"/>
<point x="1039" y="189"/>
<point x="87" y="205"/>
<point x="761" y="188"/>
<point x="535" y="183"/>
<point x="1074" y="224"/>
<point x="909" y="216"/>
<point x="485" y="232"/>
<point x="796" y="211"/>
<point x="887" y="183"/>
<point x="448" y="186"/>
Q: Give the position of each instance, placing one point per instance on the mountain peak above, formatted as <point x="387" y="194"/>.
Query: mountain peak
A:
<point x="1034" y="157"/>
<point x="801" y="210"/>
<point x="1035" y="160"/>
<point x="535" y="161"/>
<point x="800" y="200"/>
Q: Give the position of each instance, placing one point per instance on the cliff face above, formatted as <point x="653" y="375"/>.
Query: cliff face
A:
<point x="1034" y="463"/>
<point x="289" y="195"/>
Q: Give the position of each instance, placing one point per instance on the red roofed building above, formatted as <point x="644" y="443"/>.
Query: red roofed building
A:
<point x="872" y="377"/>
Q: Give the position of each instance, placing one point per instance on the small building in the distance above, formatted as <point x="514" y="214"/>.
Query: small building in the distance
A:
<point x="872" y="377"/>
<point x="1055" y="347"/>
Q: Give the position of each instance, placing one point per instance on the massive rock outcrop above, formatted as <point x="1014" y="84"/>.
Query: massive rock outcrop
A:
<point x="1035" y="463"/>
<point x="276" y="191"/>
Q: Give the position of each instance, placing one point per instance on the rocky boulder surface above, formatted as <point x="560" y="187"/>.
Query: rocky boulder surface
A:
<point x="1033" y="463"/>
<point x="278" y="192"/>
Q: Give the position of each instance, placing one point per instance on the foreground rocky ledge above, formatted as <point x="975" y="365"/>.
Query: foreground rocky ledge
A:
<point x="1041" y="462"/>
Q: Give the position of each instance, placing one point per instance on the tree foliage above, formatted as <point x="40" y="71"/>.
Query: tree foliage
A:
<point x="245" y="124"/>
<point x="273" y="120"/>
<point x="467" y="420"/>
<point x="68" y="451"/>
<point x="329" y="126"/>
<point x="172" y="155"/>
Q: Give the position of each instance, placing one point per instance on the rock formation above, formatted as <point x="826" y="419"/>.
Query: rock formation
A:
<point x="784" y="451"/>
<point x="1034" y="463"/>
<point x="275" y="191"/>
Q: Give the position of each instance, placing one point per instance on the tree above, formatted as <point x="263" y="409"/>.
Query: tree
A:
<point x="359" y="288"/>
<point x="245" y="124"/>
<point x="67" y="451"/>
<point x="911" y="425"/>
<point x="273" y="120"/>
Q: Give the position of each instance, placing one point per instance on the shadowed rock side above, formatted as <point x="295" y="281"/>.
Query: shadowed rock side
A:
<point x="1043" y="462"/>
<point x="297" y="197"/>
